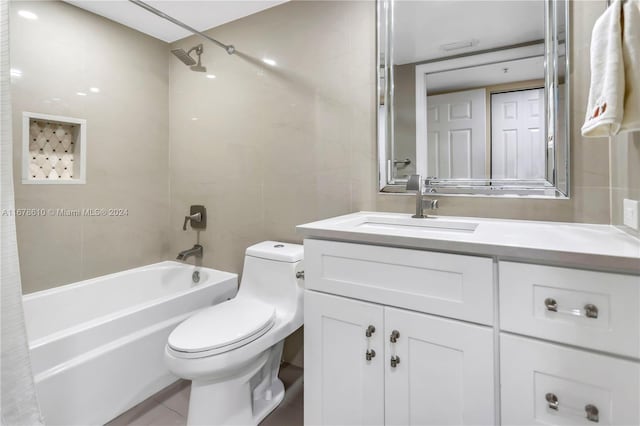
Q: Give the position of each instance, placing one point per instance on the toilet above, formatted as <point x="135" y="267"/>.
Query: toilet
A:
<point x="231" y="351"/>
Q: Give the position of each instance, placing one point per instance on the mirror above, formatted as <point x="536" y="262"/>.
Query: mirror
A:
<point x="473" y="95"/>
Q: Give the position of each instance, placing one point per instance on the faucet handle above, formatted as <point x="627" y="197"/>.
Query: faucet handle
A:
<point x="429" y="180"/>
<point x="414" y="183"/>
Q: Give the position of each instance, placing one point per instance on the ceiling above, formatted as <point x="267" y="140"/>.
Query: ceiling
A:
<point x="421" y="28"/>
<point x="486" y="75"/>
<point x="201" y="15"/>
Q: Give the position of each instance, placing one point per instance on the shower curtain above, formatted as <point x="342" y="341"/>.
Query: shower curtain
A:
<point x="19" y="403"/>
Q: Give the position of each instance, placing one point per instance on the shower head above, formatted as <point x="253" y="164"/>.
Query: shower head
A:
<point x="186" y="58"/>
<point x="198" y="67"/>
<point x="183" y="56"/>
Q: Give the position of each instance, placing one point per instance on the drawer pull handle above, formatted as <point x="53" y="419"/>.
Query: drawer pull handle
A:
<point x="395" y="335"/>
<point x="591" y="311"/>
<point x="370" y="330"/>
<point x="370" y="354"/>
<point x="552" y="400"/>
<point x="551" y="304"/>
<point x="395" y="360"/>
<point x="592" y="413"/>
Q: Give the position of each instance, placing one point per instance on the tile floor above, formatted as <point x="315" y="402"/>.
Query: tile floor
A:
<point x="169" y="406"/>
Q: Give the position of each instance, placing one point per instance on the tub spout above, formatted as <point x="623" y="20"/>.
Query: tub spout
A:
<point x="195" y="251"/>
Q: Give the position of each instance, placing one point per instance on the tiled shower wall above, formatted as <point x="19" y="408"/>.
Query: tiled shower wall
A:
<point x="65" y="51"/>
<point x="266" y="148"/>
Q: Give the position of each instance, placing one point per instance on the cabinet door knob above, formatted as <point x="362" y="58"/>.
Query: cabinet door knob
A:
<point x="552" y="400"/>
<point x="551" y="304"/>
<point x="395" y="360"/>
<point x="370" y="354"/>
<point x="592" y="413"/>
<point x="591" y="311"/>
<point x="370" y="330"/>
<point x="395" y="335"/>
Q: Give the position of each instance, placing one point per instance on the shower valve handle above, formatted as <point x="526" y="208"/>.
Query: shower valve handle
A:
<point x="196" y="217"/>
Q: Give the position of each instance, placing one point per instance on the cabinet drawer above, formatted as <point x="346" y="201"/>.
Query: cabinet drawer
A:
<point x="595" y="310"/>
<point x="449" y="285"/>
<point x="537" y="376"/>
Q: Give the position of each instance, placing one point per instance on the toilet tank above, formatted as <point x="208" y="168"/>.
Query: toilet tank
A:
<point x="269" y="274"/>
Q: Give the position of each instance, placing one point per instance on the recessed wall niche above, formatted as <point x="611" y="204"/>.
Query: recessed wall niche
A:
<point x="53" y="149"/>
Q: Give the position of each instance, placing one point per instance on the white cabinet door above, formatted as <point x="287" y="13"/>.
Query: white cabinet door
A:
<point x="445" y="371"/>
<point x="457" y="135"/>
<point x="548" y="384"/>
<point x="341" y="386"/>
<point x="517" y="135"/>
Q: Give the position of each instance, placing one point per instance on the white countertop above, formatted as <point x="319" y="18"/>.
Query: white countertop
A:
<point x="599" y="247"/>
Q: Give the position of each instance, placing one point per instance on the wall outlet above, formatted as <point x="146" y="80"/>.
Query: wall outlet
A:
<point x="630" y="214"/>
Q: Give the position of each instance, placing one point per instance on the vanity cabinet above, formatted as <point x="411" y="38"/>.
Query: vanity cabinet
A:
<point x="368" y="364"/>
<point x="400" y="336"/>
<point x="596" y="380"/>
<point x="493" y="322"/>
<point x="381" y="359"/>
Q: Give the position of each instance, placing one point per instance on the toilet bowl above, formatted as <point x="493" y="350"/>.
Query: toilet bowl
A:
<point x="231" y="351"/>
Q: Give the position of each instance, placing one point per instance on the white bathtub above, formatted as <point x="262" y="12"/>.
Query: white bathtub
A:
<point x="97" y="345"/>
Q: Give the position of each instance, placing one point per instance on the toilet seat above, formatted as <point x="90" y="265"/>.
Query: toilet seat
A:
<point x="221" y="328"/>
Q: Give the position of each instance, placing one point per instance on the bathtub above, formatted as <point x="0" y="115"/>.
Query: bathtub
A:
<point x="97" y="345"/>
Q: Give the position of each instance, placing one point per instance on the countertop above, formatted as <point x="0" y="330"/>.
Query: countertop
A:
<point x="587" y="246"/>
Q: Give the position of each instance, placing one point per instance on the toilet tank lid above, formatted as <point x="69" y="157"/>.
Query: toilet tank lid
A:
<point x="274" y="250"/>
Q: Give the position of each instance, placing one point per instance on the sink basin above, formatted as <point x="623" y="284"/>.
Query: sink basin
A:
<point x="406" y="224"/>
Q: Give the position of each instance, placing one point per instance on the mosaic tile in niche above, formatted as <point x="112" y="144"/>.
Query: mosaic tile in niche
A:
<point x="51" y="149"/>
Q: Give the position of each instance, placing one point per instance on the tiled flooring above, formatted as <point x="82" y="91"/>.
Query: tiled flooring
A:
<point x="169" y="406"/>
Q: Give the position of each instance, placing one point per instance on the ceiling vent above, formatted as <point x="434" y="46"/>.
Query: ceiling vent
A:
<point x="466" y="44"/>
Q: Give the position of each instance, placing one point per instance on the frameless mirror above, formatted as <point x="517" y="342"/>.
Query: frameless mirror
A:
<point x="473" y="95"/>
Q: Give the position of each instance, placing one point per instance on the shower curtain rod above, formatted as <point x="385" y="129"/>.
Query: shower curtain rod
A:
<point x="228" y="47"/>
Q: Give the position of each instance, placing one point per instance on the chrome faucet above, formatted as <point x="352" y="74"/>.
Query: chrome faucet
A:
<point x="195" y="251"/>
<point x="416" y="183"/>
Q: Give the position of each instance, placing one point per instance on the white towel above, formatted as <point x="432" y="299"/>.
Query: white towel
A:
<point x="631" y="58"/>
<point x="614" y="96"/>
